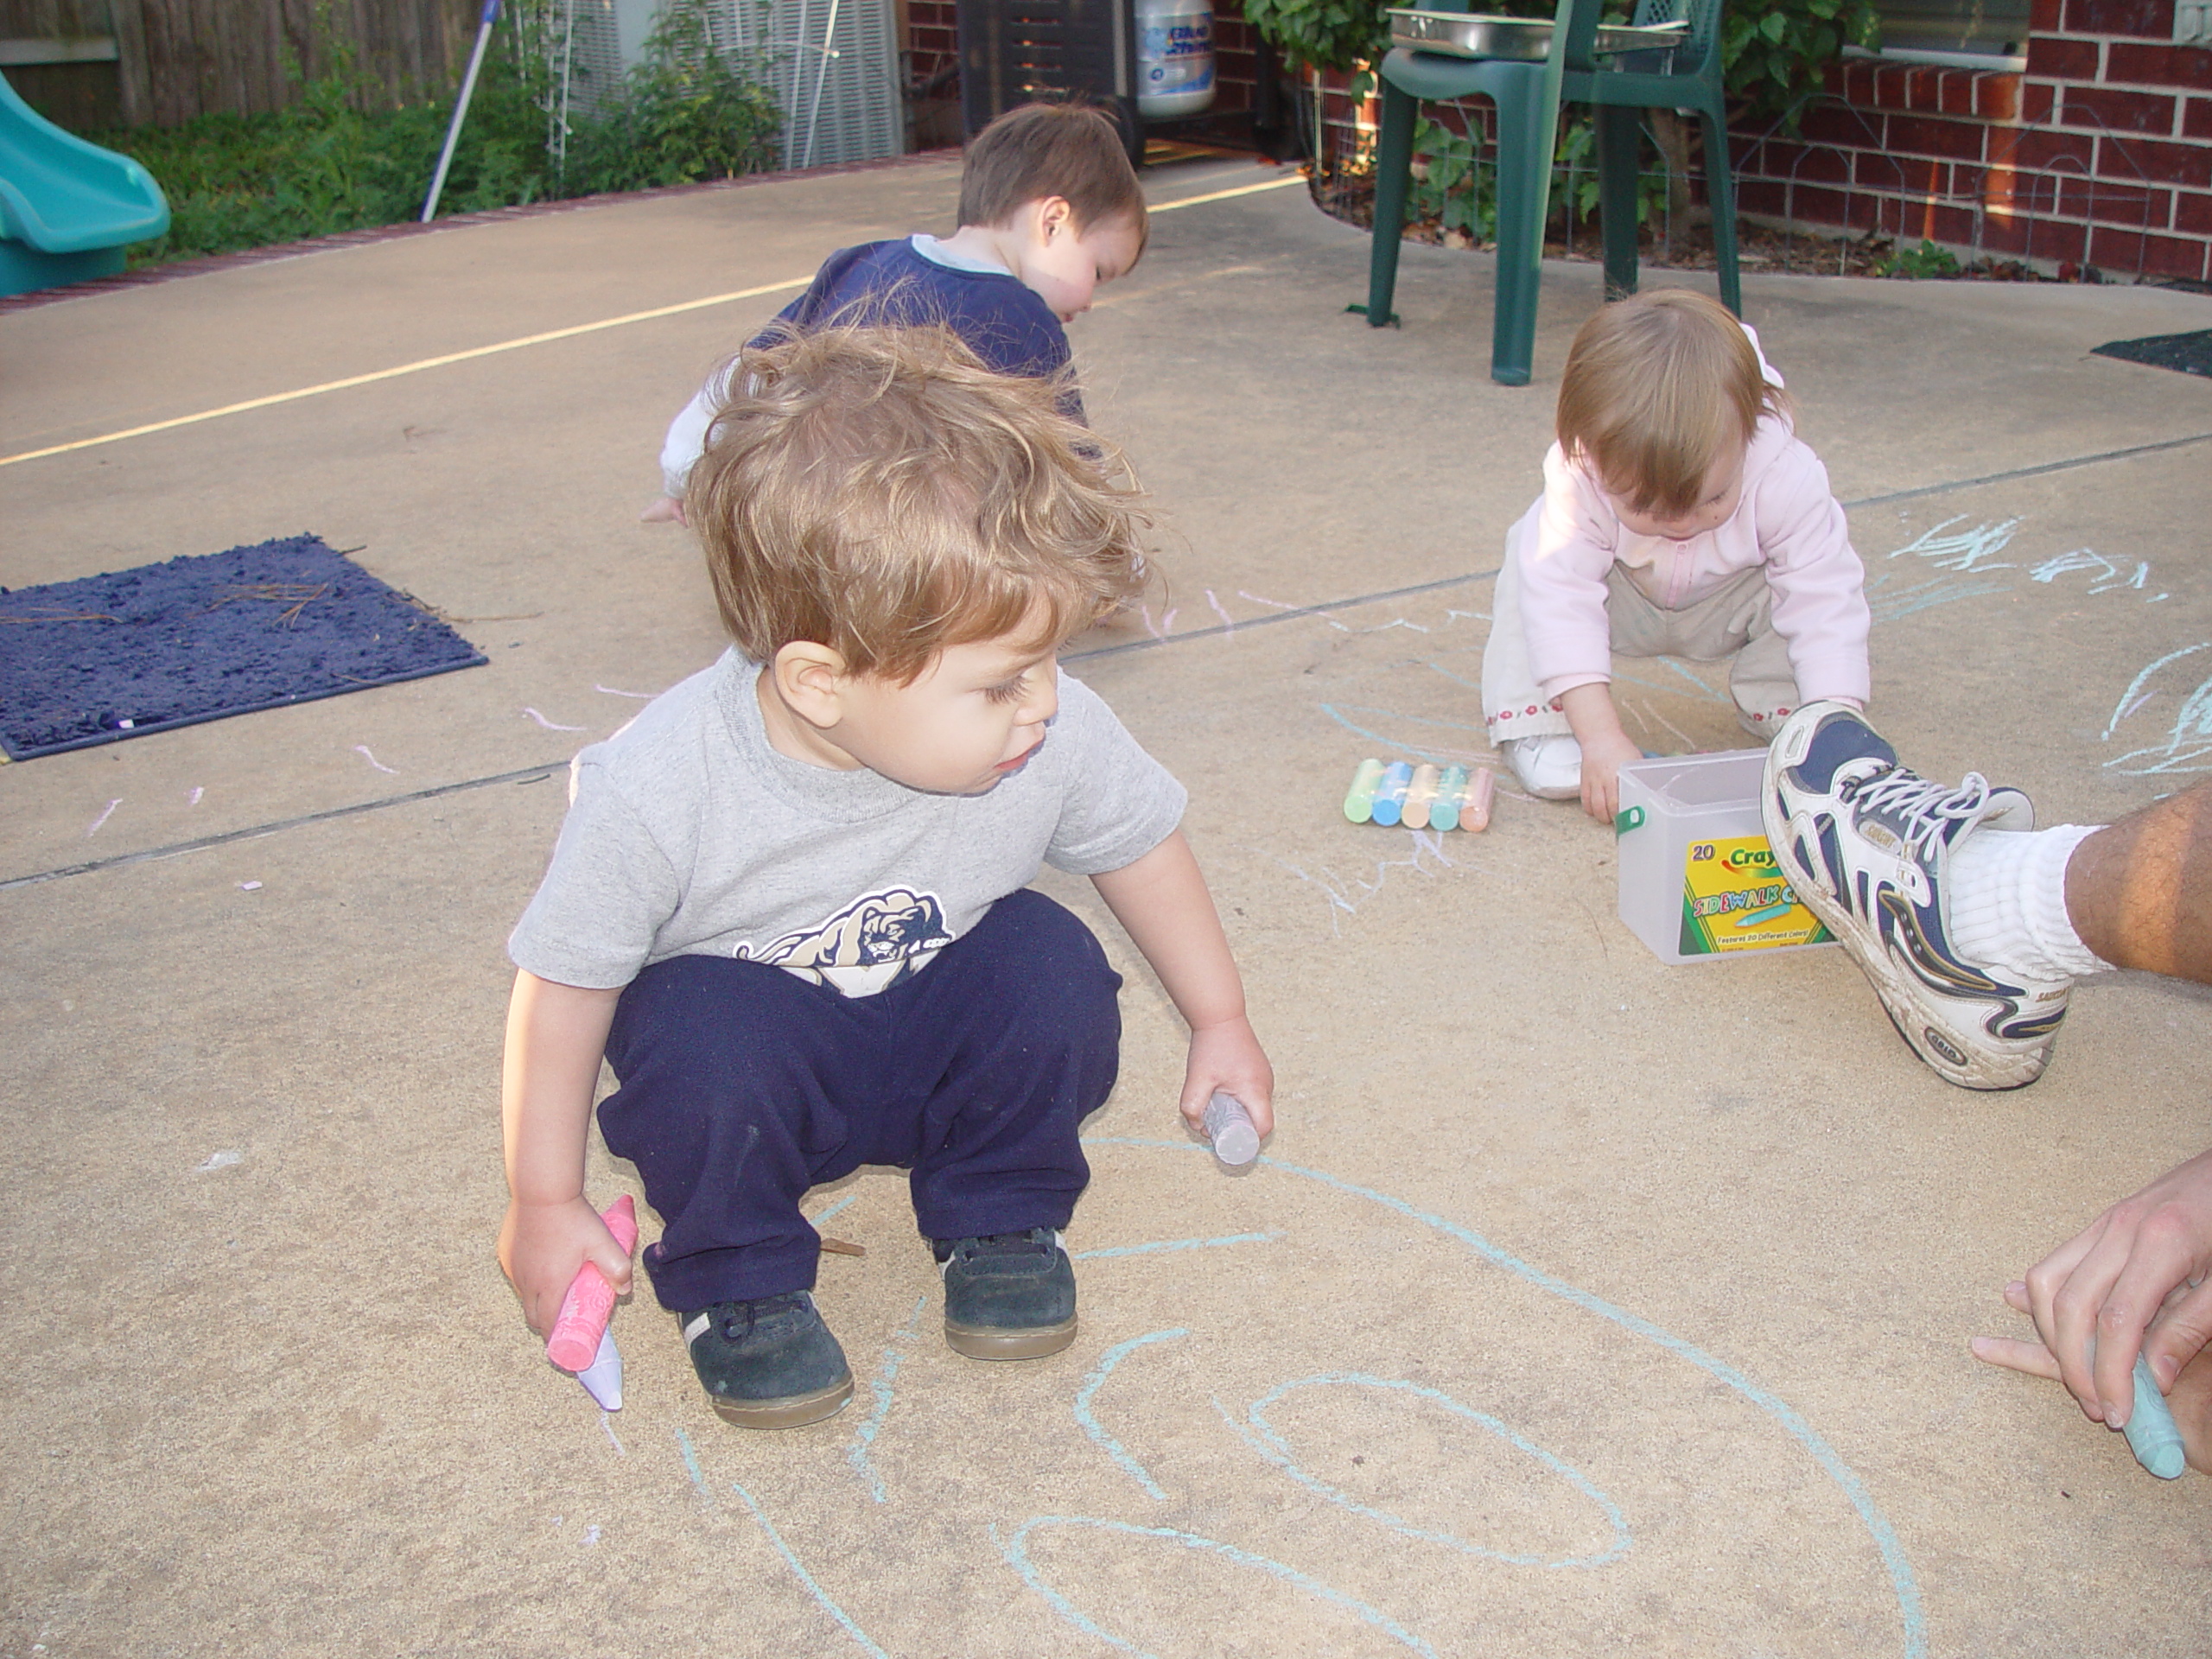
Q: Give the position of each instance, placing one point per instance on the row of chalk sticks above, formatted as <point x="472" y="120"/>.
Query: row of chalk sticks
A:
<point x="1421" y="798"/>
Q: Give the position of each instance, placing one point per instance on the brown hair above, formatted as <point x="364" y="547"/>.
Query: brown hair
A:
<point x="1655" y="389"/>
<point x="880" y="492"/>
<point x="1069" y="150"/>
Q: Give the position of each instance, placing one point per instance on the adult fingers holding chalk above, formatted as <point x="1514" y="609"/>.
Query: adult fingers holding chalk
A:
<point x="2139" y="1278"/>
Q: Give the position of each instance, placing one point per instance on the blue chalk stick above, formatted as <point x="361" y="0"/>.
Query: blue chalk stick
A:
<point x="2151" y="1435"/>
<point x="1390" y="793"/>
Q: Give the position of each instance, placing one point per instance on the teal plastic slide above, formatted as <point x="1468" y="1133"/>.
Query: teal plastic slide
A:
<point x="67" y="209"/>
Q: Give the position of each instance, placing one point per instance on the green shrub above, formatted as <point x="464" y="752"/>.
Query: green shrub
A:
<point x="1913" y="263"/>
<point x="334" y="160"/>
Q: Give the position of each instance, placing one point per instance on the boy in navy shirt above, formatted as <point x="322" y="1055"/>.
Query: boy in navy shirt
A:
<point x="1050" y="208"/>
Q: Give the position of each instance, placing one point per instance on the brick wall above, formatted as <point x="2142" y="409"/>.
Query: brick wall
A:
<point x="2101" y="154"/>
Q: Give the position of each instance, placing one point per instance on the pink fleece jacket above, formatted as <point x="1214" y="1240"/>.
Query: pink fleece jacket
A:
<point x="1786" y="520"/>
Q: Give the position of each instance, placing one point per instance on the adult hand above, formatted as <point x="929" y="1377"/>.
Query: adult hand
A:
<point x="2138" y="1279"/>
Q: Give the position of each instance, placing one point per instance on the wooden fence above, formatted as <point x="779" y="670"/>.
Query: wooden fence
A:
<point x="171" y="60"/>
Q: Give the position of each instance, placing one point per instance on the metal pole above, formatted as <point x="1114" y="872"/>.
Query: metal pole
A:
<point x="460" y="108"/>
<point x="814" y="115"/>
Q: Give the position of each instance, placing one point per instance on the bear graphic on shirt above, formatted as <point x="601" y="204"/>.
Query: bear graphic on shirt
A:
<point x="871" y="943"/>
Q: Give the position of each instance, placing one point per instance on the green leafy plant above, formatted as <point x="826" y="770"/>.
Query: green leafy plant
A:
<point x="686" y="114"/>
<point x="1448" y="186"/>
<point x="1914" y="263"/>
<point x="1773" y="52"/>
<point x="1338" y="35"/>
<point x="340" y="157"/>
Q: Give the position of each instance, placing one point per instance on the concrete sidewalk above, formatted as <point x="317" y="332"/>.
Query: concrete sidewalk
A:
<point x="1587" y="1305"/>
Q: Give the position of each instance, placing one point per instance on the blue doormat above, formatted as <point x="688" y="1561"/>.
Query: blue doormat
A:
<point x="197" y="638"/>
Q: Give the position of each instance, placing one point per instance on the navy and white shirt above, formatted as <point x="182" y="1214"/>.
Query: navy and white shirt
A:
<point x="904" y="283"/>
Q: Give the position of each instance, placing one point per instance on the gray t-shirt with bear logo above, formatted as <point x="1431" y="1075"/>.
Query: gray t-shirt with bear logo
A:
<point x="687" y="834"/>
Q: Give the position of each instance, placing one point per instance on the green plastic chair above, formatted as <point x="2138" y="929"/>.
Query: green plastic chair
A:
<point x="1528" y="96"/>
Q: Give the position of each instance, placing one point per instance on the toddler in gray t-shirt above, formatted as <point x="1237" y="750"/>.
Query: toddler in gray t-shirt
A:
<point x="789" y="904"/>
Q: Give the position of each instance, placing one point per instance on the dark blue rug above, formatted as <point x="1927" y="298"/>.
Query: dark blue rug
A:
<point x="198" y="639"/>
<point x="2188" y="354"/>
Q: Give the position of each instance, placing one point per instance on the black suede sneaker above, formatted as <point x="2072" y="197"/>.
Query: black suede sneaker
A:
<point x="770" y="1363"/>
<point x="1009" y="1296"/>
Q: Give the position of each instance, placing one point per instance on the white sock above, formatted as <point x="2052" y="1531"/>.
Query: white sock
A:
<point x="2006" y="894"/>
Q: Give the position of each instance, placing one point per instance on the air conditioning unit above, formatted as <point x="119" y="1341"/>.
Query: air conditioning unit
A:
<point x="832" y="64"/>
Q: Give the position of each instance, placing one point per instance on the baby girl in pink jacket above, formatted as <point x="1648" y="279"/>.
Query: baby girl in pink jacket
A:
<point x="1681" y="516"/>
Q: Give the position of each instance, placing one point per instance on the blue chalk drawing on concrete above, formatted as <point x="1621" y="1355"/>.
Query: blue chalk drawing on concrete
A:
<point x="1887" y="603"/>
<point x="833" y="1208"/>
<point x="791" y="1558"/>
<point x="1175" y="1244"/>
<point x="1911" y="1615"/>
<point x="799" y="1569"/>
<point x="1969" y="549"/>
<point x="2186" y="745"/>
<point x="1264" y="1438"/>
<point x="864" y="1435"/>
<point x="1016" y="1551"/>
<point x="1342" y="712"/>
<point x="1092" y="1426"/>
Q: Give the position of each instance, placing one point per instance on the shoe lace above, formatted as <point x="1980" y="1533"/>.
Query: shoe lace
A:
<point x="1926" y="808"/>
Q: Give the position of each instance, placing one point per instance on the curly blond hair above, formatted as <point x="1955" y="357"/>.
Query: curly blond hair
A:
<point x="880" y="492"/>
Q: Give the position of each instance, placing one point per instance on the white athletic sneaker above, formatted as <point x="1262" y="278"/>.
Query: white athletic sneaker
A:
<point x="1549" y="768"/>
<point x="1865" y="846"/>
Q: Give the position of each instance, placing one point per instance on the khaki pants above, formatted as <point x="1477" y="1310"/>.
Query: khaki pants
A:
<point x="1735" y="622"/>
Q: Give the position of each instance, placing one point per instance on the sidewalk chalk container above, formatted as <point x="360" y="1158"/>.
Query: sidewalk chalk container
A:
<point x="1174" y="57"/>
<point x="1697" y="878"/>
<point x="1229" y="1126"/>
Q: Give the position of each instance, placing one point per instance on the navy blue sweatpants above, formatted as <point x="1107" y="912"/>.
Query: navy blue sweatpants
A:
<point x="742" y="1085"/>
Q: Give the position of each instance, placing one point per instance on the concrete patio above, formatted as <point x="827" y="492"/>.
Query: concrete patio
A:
<point x="1587" y="1305"/>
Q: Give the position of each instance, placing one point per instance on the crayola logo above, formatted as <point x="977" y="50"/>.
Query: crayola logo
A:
<point x="1734" y="898"/>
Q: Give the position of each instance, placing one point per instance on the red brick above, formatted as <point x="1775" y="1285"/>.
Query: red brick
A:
<point x="2153" y="161"/>
<point x="1922" y="135"/>
<point x="1818" y="206"/>
<point x="2063" y="59"/>
<point x="1997" y="98"/>
<point x="2037" y="100"/>
<point x="2149" y="19"/>
<point x="2103" y="202"/>
<point x="2116" y="112"/>
<point x="1809" y="163"/>
<point x="1831" y="124"/>
<point x="2132" y="251"/>
<point x="1853" y="79"/>
<point x="2053" y="238"/>
<point x="1759" y="196"/>
<point x="2042" y="147"/>
<point x="2196" y="119"/>
<point x="2130" y="63"/>
<point x="2193" y="212"/>
<point x="2044" y="17"/>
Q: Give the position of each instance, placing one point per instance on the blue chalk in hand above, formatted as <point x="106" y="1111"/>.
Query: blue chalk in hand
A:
<point x="2151" y="1435"/>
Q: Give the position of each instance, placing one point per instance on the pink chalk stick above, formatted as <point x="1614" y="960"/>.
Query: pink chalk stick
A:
<point x="590" y="1301"/>
<point x="1475" y="815"/>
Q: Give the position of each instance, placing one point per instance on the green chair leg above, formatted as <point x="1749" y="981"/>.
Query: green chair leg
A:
<point x="1393" y="157"/>
<point x="1618" y="130"/>
<point x="1720" y="195"/>
<point x="1525" y="124"/>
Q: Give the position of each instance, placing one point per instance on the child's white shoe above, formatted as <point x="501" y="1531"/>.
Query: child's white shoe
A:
<point x="1548" y="767"/>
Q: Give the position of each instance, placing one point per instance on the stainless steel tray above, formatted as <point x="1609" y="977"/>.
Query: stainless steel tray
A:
<point x="1476" y="35"/>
